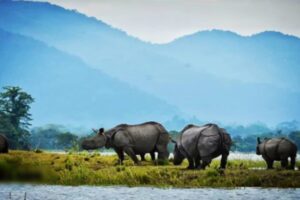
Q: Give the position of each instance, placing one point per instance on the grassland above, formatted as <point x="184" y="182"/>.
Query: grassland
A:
<point x="94" y="169"/>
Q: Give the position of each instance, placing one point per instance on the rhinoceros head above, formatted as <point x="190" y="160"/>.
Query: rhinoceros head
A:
<point x="178" y="157"/>
<point x="98" y="141"/>
<point x="257" y="146"/>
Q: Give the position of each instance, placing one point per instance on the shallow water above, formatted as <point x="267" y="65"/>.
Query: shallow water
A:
<point x="47" y="192"/>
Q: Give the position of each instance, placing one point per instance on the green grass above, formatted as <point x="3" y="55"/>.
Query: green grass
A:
<point x="94" y="169"/>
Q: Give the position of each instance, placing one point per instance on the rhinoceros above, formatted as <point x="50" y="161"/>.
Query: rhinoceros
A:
<point x="200" y="144"/>
<point x="277" y="149"/>
<point x="3" y="144"/>
<point x="149" y="137"/>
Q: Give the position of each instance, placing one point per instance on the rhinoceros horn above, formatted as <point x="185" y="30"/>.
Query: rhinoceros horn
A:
<point x="258" y="140"/>
<point x="94" y="130"/>
<point x="100" y="131"/>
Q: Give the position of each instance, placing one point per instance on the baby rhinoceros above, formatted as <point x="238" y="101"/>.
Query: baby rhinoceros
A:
<point x="200" y="144"/>
<point x="277" y="149"/>
<point x="3" y="144"/>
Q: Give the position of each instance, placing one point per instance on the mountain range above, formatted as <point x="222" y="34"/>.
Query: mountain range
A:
<point x="68" y="91"/>
<point x="107" y="76"/>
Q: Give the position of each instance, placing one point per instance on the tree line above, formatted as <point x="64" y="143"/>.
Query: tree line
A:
<point x="15" y="117"/>
<point x="15" y="125"/>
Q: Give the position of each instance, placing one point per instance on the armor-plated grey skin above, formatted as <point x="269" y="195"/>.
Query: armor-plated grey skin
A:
<point x="3" y="144"/>
<point x="200" y="144"/>
<point x="277" y="149"/>
<point x="149" y="137"/>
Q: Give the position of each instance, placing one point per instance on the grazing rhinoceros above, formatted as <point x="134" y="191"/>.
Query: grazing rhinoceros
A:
<point x="149" y="137"/>
<point x="3" y="144"/>
<point x="200" y="144"/>
<point x="279" y="149"/>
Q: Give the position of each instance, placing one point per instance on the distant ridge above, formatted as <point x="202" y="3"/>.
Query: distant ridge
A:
<point x="213" y="75"/>
<point x="274" y="34"/>
<point x="67" y="91"/>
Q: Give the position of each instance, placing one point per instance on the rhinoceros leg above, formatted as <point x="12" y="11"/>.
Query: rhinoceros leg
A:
<point x="293" y="162"/>
<point x="162" y="151"/>
<point x="162" y="147"/>
<point x="197" y="162"/>
<point x="142" y="157"/>
<point x="129" y="151"/>
<point x="120" y="155"/>
<point x="191" y="163"/>
<point x="205" y="162"/>
<point x="269" y="162"/>
<point x="152" y="154"/>
<point x="284" y="163"/>
<point x="224" y="160"/>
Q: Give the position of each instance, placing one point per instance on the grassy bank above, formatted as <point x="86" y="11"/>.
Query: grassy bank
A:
<point x="94" y="169"/>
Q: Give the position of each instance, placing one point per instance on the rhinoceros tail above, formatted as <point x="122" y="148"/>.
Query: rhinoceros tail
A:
<point x="295" y="149"/>
<point x="162" y="141"/>
<point x="226" y="140"/>
<point x="163" y="135"/>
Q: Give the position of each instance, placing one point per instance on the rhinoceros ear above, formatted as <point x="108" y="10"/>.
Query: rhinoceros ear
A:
<point x="94" y="130"/>
<point x="101" y="131"/>
<point x="258" y="140"/>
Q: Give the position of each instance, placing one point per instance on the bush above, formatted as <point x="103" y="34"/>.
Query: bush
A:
<point x="38" y="151"/>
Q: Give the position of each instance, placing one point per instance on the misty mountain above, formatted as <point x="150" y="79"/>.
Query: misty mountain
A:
<point x="67" y="91"/>
<point x="69" y="31"/>
<point x="268" y="57"/>
<point x="213" y="75"/>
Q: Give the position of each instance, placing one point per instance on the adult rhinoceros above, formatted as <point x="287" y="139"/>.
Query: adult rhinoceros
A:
<point x="200" y="144"/>
<point x="134" y="140"/>
<point x="3" y="144"/>
<point x="279" y="149"/>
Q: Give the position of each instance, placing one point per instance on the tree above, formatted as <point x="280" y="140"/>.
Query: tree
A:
<point x="15" y="104"/>
<point x="66" y="140"/>
<point x="15" y="116"/>
<point x="44" y="137"/>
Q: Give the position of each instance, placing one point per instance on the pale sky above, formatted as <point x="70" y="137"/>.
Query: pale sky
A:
<point x="161" y="21"/>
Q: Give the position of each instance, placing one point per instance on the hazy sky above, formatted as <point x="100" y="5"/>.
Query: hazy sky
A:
<point x="163" y="20"/>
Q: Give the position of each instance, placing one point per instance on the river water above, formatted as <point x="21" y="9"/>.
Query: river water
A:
<point x="47" y="192"/>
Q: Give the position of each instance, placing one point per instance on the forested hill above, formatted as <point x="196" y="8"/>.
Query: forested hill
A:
<point x="68" y="91"/>
<point x="212" y="75"/>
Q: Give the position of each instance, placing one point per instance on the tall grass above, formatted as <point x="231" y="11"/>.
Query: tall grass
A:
<point x="94" y="169"/>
